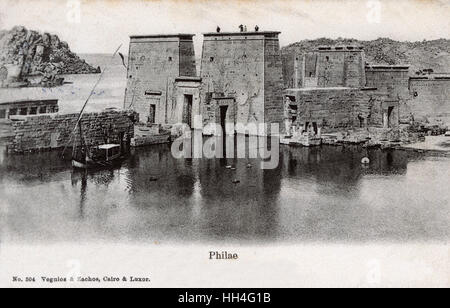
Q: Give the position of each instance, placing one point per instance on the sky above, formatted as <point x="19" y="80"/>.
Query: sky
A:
<point x="100" y="26"/>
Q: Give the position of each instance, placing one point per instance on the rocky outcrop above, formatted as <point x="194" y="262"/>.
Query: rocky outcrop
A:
<point x="425" y="56"/>
<point x="37" y="53"/>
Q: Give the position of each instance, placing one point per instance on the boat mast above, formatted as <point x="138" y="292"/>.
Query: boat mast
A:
<point x="87" y="100"/>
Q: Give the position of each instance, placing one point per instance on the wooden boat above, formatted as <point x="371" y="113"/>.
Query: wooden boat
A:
<point x="106" y="155"/>
<point x="100" y="156"/>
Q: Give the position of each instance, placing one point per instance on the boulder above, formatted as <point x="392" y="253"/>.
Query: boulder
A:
<point x="35" y="52"/>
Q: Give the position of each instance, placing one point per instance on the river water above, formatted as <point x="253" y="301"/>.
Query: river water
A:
<point x="314" y="195"/>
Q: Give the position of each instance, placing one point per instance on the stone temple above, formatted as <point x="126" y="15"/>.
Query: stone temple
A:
<point x="162" y="70"/>
<point x="336" y="91"/>
<point x="241" y="81"/>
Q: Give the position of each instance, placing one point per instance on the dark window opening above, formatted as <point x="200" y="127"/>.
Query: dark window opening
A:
<point x="43" y="109"/>
<point x="53" y="109"/>
<point x="211" y="59"/>
<point x="23" y="111"/>
<point x="294" y="112"/>
<point x="170" y="59"/>
<point x="33" y="110"/>
<point x="2" y="113"/>
<point x="13" y="112"/>
<point x="328" y="59"/>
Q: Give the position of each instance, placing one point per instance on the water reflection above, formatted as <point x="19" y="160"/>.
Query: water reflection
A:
<point x="317" y="194"/>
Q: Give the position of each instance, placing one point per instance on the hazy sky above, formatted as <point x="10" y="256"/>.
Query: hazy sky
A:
<point x="102" y="25"/>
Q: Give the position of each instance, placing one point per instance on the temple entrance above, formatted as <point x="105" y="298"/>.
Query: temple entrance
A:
<point x="311" y="127"/>
<point x="225" y="114"/>
<point x="187" y="119"/>
<point x="152" y="114"/>
<point x="390" y="116"/>
<point x="148" y="110"/>
<point x="223" y="118"/>
<point x="315" y="127"/>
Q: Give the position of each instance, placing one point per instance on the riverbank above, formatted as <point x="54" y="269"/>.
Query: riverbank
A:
<point x="438" y="144"/>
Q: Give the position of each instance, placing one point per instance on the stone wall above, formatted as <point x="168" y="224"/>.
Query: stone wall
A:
<point x="290" y="61"/>
<point x="187" y="58"/>
<point x="392" y="82"/>
<point x="340" y="67"/>
<point x="430" y="96"/>
<point x="244" y="67"/>
<point x="46" y="132"/>
<point x="273" y="82"/>
<point x="27" y="107"/>
<point x="154" y="63"/>
<point x="344" y="108"/>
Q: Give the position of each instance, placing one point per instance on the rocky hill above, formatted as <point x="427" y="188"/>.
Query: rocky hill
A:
<point x="37" y="53"/>
<point x="422" y="55"/>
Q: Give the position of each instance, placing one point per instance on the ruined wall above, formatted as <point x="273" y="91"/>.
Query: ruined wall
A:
<point x="430" y="96"/>
<point x="31" y="107"/>
<point x="391" y="81"/>
<point x="245" y="67"/>
<point x="154" y="63"/>
<point x="338" y="108"/>
<point x="52" y="132"/>
<point x="341" y="67"/>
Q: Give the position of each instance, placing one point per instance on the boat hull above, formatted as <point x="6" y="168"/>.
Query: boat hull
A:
<point x="98" y="164"/>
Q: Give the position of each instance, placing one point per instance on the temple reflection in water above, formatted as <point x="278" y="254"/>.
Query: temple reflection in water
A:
<point x="315" y="194"/>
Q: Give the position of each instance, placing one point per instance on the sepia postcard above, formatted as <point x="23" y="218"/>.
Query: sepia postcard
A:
<point x="224" y="144"/>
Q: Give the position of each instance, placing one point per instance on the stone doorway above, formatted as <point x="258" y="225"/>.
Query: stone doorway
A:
<point x="226" y="114"/>
<point x="390" y="117"/>
<point x="223" y="118"/>
<point x="187" y="114"/>
<point x="152" y="114"/>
